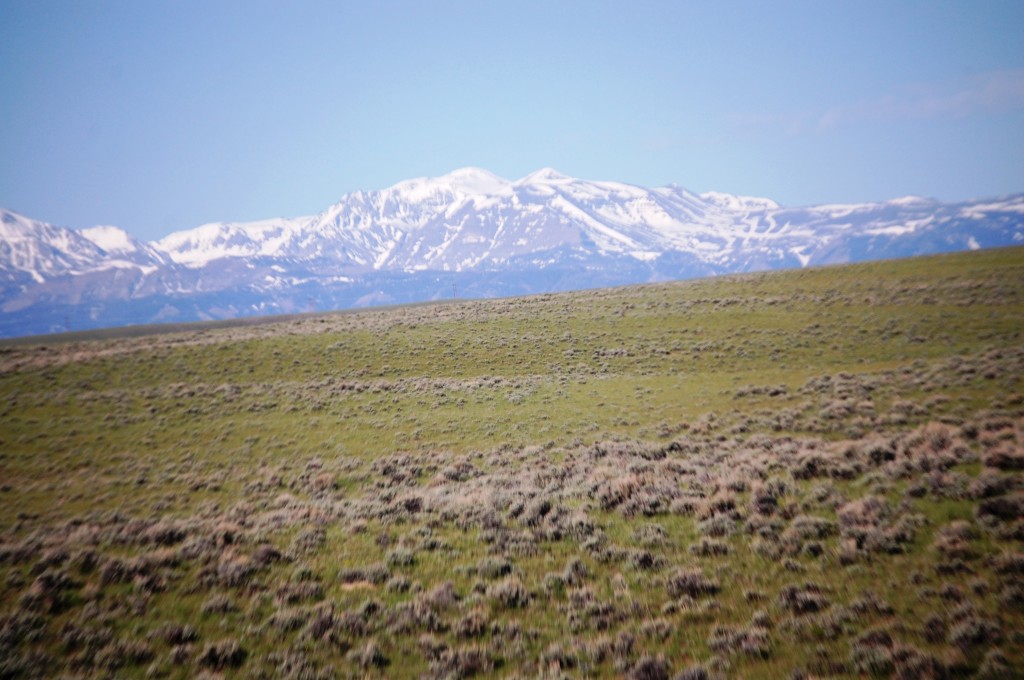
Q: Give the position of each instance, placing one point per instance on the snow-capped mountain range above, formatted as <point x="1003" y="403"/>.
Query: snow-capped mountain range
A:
<point x="468" y="232"/>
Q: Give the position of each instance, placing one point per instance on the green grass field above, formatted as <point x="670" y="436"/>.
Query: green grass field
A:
<point x="814" y="473"/>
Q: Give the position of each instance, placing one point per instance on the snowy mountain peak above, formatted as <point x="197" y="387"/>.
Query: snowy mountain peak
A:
<point x="464" y="181"/>
<point x="40" y="250"/>
<point x="209" y="242"/>
<point x="544" y="176"/>
<point x="475" y="180"/>
<point x="12" y="224"/>
<point x="124" y="251"/>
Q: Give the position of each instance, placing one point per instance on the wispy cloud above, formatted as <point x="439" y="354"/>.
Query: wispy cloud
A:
<point x="983" y="93"/>
<point x="991" y="92"/>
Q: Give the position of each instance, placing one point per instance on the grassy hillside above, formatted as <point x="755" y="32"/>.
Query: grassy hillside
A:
<point x="808" y="473"/>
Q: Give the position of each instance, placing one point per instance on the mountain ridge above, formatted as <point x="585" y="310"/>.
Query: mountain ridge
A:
<point x="468" y="230"/>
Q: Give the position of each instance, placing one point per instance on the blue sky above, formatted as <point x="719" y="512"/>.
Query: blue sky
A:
<point x="160" y="116"/>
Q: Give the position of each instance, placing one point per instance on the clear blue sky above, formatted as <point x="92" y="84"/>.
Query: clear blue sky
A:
<point x="159" y="116"/>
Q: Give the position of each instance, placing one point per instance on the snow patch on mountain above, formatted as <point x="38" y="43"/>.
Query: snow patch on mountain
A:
<point x="111" y="239"/>
<point x="911" y="201"/>
<point x="742" y="203"/>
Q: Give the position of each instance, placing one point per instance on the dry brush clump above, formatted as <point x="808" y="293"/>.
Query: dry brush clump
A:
<point x="692" y="583"/>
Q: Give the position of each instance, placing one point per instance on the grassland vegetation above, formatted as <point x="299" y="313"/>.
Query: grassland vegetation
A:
<point x="802" y="474"/>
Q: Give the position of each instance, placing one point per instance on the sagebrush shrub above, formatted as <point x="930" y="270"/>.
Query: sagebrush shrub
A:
<point x="692" y="583"/>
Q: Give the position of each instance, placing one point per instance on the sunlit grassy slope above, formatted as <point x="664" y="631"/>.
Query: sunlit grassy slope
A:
<point x="811" y="472"/>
